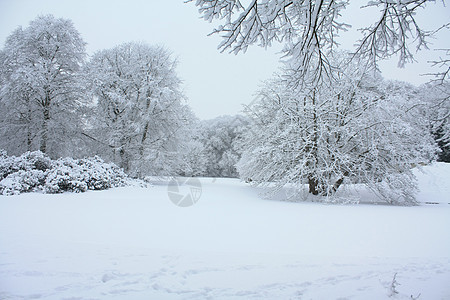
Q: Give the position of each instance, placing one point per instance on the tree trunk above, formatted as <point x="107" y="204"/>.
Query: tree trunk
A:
<point x="29" y="116"/>
<point x="124" y="160"/>
<point x="144" y="137"/>
<point x="29" y="146"/>
<point x="44" y="134"/>
<point x="313" y="185"/>
<point x="146" y="126"/>
<point x="338" y="183"/>
<point x="313" y="182"/>
<point x="29" y="139"/>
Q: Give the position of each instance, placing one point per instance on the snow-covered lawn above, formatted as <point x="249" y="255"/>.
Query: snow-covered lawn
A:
<point x="134" y="243"/>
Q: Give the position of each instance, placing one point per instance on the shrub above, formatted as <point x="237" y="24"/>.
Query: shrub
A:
<point x="35" y="171"/>
<point x="22" y="181"/>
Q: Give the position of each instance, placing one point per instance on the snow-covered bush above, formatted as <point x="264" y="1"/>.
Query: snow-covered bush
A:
<point x="22" y="181"/>
<point x="28" y="161"/>
<point x="34" y="171"/>
<point x="22" y="174"/>
<point x="82" y="175"/>
<point x="6" y="164"/>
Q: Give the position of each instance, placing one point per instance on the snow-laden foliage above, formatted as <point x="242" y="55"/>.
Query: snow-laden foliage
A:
<point x="140" y="118"/>
<point x="357" y="129"/>
<point x="35" y="171"/>
<point x="41" y="90"/>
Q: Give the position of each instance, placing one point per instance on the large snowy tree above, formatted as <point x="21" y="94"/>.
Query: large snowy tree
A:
<point x="358" y="129"/>
<point x="41" y="87"/>
<point x="326" y="121"/>
<point x="140" y="117"/>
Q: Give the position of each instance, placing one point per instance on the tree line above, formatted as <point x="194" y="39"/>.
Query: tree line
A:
<point x="329" y="122"/>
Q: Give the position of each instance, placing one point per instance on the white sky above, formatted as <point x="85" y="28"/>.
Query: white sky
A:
<point x="215" y="83"/>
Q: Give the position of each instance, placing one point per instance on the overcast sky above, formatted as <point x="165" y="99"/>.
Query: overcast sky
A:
<point x="215" y="83"/>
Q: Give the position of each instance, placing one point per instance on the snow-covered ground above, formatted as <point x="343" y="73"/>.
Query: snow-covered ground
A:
<point x="134" y="243"/>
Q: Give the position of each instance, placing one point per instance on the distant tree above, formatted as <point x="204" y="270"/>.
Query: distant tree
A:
<point x="193" y="156"/>
<point x="41" y="91"/>
<point x="140" y="116"/>
<point x="436" y="105"/>
<point x="439" y="134"/>
<point x="220" y="138"/>
<point x="358" y="129"/>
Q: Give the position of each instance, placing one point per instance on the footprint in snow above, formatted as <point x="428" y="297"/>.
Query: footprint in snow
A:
<point x="107" y="277"/>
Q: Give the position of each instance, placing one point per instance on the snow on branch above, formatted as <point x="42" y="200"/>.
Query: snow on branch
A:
<point x="390" y="34"/>
<point x="309" y="29"/>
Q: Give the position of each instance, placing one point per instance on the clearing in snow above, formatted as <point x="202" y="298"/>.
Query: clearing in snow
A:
<point x="134" y="243"/>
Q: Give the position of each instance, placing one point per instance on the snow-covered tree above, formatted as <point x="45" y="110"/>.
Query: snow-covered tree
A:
<point x="358" y="129"/>
<point x="309" y="29"/>
<point x="220" y="138"/>
<point x="193" y="156"/>
<point x="140" y="115"/>
<point x="326" y="120"/>
<point x="436" y="104"/>
<point x="41" y="88"/>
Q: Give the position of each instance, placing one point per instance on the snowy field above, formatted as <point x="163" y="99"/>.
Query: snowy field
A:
<point x="134" y="243"/>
